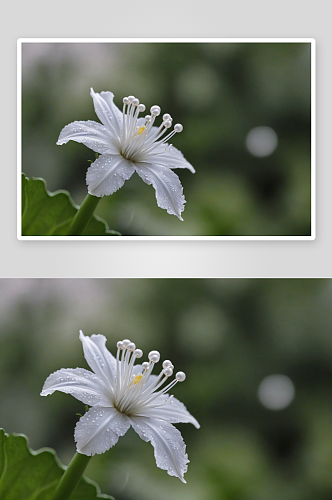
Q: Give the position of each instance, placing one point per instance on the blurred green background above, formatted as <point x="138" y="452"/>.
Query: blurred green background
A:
<point x="228" y="335"/>
<point x="220" y="92"/>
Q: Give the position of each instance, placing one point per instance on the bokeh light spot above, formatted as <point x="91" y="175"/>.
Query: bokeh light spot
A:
<point x="261" y="141"/>
<point x="276" y="392"/>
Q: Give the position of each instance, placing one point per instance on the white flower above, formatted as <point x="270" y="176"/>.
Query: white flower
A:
<point x="127" y="144"/>
<point x="123" y="395"/>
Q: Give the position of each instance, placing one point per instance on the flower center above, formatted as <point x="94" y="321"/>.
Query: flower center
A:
<point x="134" y="393"/>
<point x="138" y="141"/>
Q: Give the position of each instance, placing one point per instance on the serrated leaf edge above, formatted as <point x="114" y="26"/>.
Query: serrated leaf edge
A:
<point x="57" y="461"/>
<point x="73" y="204"/>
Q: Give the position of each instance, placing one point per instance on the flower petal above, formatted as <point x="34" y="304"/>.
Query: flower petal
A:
<point x="99" y="429"/>
<point x="169" y="191"/>
<point x="169" y="447"/>
<point x="172" y="158"/>
<point x="82" y="384"/>
<point x="107" y="112"/>
<point x="92" y="134"/>
<point x="100" y="360"/>
<point x="107" y="174"/>
<point x="171" y="410"/>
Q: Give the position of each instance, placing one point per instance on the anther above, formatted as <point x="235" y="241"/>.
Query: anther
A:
<point x="130" y="98"/>
<point x="125" y="100"/>
<point x="135" y="102"/>
<point x="167" y="363"/>
<point x="178" y="127"/>
<point x="180" y="376"/>
<point x="145" y="365"/>
<point x="120" y="345"/>
<point x="167" y="123"/>
<point x="166" y="116"/>
<point x="168" y="371"/>
<point x="154" y="356"/>
<point x="125" y="342"/>
<point x="141" y="108"/>
<point x="131" y="346"/>
<point x="155" y="110"/>
<point x="138" y="353"/>
<point x="148" y="118"/>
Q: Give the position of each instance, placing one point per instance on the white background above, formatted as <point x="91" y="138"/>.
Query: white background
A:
<point x="181" y="18"/>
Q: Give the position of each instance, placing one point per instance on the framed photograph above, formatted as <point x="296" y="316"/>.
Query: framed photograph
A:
<point x="166" y="139"/>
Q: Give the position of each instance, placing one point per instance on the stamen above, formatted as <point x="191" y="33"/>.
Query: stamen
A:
<point x="155" y="110"/>
<point x="136" y="353"/>
<point x="150" y="396"/>
<point x="154" y="356"/>
<point x="180" y="376"/>
<point x="177" y="128"/>
<point x="125" y="342"/>
<point x="152" y="142"/>
<point x="137" y="142"/>
<point x="133" y="117"/>
<point x="148" y="371"/>
<point x="125" y="102"/>
<point x="130" y="145"/>
<point x="152" y="387"/>
<point x="131" y="347"/>
<point x="120" y="347"/>
<point x="168" y="371"/>
<point x="167" y="363"/>
<point x="129" y="365"/>
<point x="167" y="124"/>
<point x="133" y="392"/>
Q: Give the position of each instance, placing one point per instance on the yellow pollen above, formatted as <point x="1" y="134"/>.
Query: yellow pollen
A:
<point x="139" y="131"/>
<point x="136" y="379"/>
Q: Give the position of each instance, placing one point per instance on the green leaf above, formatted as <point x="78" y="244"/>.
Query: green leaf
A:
<point x="34" y="475"/>
<point x="50" y="214"/>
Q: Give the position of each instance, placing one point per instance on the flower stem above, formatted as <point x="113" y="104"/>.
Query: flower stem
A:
<point x="84" y="214"/>
<point x="71" y="477"/>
